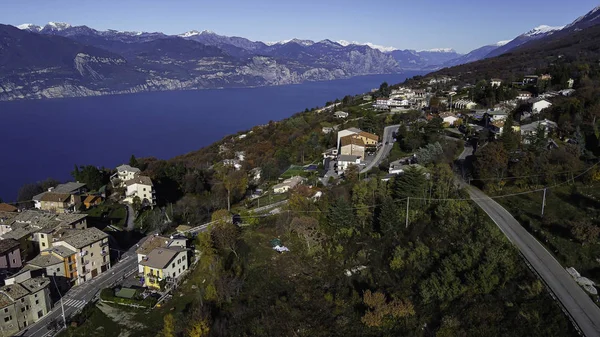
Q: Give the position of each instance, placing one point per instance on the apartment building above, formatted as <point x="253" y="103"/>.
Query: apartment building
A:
<point x="23" y="301"/>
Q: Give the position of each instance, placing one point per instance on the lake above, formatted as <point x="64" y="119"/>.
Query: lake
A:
<point x="46" y="138"/>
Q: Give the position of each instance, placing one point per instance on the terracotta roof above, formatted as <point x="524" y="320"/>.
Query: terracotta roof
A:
<point x="8" y="245"/>
<point x="7" y="208"/>
<point x="352" y="139"/>
<point x="55" y="197"/>
<point x="143" y="180"/>
<point x="90" y="199"/>
<point x="369" y="135"/>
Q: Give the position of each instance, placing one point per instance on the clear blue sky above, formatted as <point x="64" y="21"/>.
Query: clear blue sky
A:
<point x="415" y="24"/>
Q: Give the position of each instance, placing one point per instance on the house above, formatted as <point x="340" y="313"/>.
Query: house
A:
<point x="448" y="117"/>
<point x="343" y="161"/>
<point x="73" y="188"/>
<point x="23" y="301"/>
<point x="570" y="83"/>
<point x="33" y="229"/>
<point x="255" y="174"/>
<point x="567" y="92"/>
<point x="92" y="200"/>
<point x="141" y="187"/>
<point x="156" y="241"/>
<point x="90" y="250"/>
<point x="367" y="97"/>
<point x="530" y="79"/>
<point x="545" y="77"/>
<point x="353" y="145"/>
<point x="327" y="129"/>
<point x="54" y="267"/>
<point x="235" y="163"/>
<point x="463" y="104"/>
<point x="163" y="265"/>
<point x="524" y="95"/>
<point x="346" y="132"/>
<point x="340" y="114"/>
<point x="59" y="202"/>
<point x="396" y="167"/>
<point x="531" y="129"/>
<point x="10" y="254"/>
<point x="497" y="114"/>
<point x="124" y="174"/>
<point x="495" y="82"/>
<point x="8" y="208"/>
<point x="287" y="185"/>
<point x="538" y="105"/>
<point x="381" y="102"/>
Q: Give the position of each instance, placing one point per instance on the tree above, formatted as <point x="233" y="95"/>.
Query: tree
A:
<point x="91" y="176"/>
<point x="199" y="329"/>
<point x="382" y="312"/>
<point x="136" y="203"/>
<point x="430" y="153"/>
<point x="585" y="232"/>
<point x="28" y="191"/>
<point x="168" y="326"/>
<point x="234" y="181"/>
<point x="510" y="139"/>
<point x="409" y="184"/>
<point x="308" y="229"/>
<point x="351" y="173"/>
<point x="491" y="161"/>
<point x="225" y="234"/>
<point x="133" y="162"/>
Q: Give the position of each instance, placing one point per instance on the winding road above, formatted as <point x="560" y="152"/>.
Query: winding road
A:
<point x="575" y="301"/>
<point x="388" y="142"/>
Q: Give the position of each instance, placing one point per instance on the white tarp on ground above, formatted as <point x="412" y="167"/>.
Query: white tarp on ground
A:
<point x="281" y="248"/>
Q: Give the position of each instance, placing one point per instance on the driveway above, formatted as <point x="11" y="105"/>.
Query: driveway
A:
<point x="388" y="142"/>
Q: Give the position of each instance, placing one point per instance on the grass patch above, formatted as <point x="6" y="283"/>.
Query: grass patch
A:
<point x="266" y="200"/>
<point x="94" y="323"/>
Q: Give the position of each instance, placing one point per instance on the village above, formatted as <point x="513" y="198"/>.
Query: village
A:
<point x="65" y="237"/>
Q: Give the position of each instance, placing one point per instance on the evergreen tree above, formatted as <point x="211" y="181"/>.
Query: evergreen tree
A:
<point x="133" y="162"/>
<point x="410" y="184"/>
<point x="509" y="138"/>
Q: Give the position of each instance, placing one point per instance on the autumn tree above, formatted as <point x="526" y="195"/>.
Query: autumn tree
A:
<point x="382" y="312"/>
<point x="225" y="234"/>
<point x="491" y="161"/>
<point x="199" y="328"/>
<point x="585" y="232"/>
<point x="168" y="326"/>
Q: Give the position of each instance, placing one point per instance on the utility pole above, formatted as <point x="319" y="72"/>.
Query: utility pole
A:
<point x="61" y="302"/>
<point x="407" y="203"/>
<point x="544" y="202"/>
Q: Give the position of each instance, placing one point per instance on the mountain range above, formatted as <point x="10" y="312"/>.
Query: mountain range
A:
<point x="60" y="60"/>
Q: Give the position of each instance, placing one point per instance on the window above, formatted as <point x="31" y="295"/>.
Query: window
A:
<point x="27" y="307"/>
<point x="92" y="255"/>
<point x="14" y="261"/>
<point x="37" y="301"/>
<point x="42" y="236"/>
<point x="58" y="269"/>
<point x="35" y="296"/>
<point x="22" y="309"/>
<point x="8" y="318"/>
<point x="144" y="189"/>
<point x="40" y="314"/>
<point x="22" y="300"/>
<point x="5" y="310"/>
<point x="173" y="265"/>
<point x="43" y="244"/>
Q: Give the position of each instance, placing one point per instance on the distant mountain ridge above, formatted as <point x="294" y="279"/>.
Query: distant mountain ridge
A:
<point x="82" y="61"/>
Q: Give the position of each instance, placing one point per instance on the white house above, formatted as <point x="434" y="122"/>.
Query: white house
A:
<point x="524" y="95"/>
<point x="382" y="102"/>
<point x="343" y="161"/>
<point x="396" y="167"/>
<point x="540" y="105"/>
<point x="235" y="163"/>
<point x="125" y="173"/>
<point x="495" y="82"/>
<point x="327" y="129"/>
<point x="448" y="117"/>
<point x="570" y="83"/>
<point x="531" y="128"/>
<point x="341" y="114"/>
<point x="157" y="241"/>
<point x="497" y="114"/>
<point x="142" y="187"/>
<point x="287" y="185"/>
<point x="464" y="104"/>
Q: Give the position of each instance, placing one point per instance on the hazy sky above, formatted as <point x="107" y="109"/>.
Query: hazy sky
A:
<point x="416" y="24"/>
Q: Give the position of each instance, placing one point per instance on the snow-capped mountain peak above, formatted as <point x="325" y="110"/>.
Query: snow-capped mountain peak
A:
<point x="30" y="27"/>
<point x="438" y="50"/>
<point x="190" y="33"/>
<point x="589" y="18"/>
<point x="57" y="25"/>
<point x="543" y="29"/>
<point x="298" y="41"/>
<point x="501" y="43"/>
<point x="371" y="45"/>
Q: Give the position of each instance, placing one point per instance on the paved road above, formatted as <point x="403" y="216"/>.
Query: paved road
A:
<point x="79" y="296"/>
<point x="388" y="142"/>
<point x="577" y="303"/>
<point x="130" y="217"/>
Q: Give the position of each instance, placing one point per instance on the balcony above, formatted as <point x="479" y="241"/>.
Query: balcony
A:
<point x="104" y="253"/>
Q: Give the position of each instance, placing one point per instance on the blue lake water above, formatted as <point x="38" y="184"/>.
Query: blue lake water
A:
<point x="46" y="138"/>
